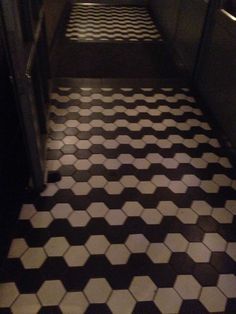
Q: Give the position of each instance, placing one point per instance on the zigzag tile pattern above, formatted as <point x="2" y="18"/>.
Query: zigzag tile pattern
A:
<point x="111" y="23"/>
<point x="143" y="220"/>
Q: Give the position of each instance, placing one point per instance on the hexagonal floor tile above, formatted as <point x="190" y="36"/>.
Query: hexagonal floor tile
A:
<point x="188" y="287"/>
<point x="151" y="216"/>
<point x="51" y="292"/>
<point x="227" y="284"/>
<point x="159" y="253"/>
<point x="176" y="242"/>
<point x="33" y="258"/>
<point x="213" y="299"/>
<point x="61" y="210"/>
<point x="167" y="208"/>
<point x="9" y="293"/>
<point x="118" y="254"/>
<point x="26" y="304"/>
<point x="160" y="181"/>
<point x="202" y="208"/>
<point x="214" y="242"/>
<point x="97" y="210"/>
<point x="74" y="303"/>
<point x="79" y="219"/>
<point x="115" y="217"/>
<point x="41" y="220"/>
<point x="187" y="216"/>
<point x="168" y="301"/>
<point x="132" y="209"/>
<point x="97" y="290"/>
<point x="146" y="187"/>
<point x="76" y="256"/>
<point x="199" y="252"/>
<point x="137" y="243"/>
<point x="17" y="248"/>
<point x="56" y="246"/>
<point x="143" y="288"/>
<point x="121" y="301"/>
<point x="97" y="244"/>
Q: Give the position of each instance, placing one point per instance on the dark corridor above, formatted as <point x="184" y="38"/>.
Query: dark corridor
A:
<point x="129" y="106"/>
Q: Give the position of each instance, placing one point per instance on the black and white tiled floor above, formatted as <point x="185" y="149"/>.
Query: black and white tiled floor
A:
<point x="143" y="220"/>
<point x="111" y="23"/>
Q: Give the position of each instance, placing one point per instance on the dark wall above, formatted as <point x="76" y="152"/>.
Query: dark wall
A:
<point x="217" y="78"/>
<point x="53" y="12"/>
<point x="166" y="13"/>
<point x="182" y="23"/>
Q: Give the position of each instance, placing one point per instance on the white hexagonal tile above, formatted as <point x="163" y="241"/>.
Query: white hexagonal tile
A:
<point x="201" y="138"/>
<point x="65" y="183"/>
<point x="227" y="284"/>
<point x="225" y="162"/>
<point x="213" y="299"/>
<point x="9" y="293"/>
<point x="74" y="303"/>
<point x="190" y="143"/>
<point x="76" y="256"/>
<point x="146" y="187"/>
<point x="41" y="220"/>
<point x="154" y="158"/>
<point x="199" y="252"/>
<point x="97" y="159"/>
<point x="209" y="186"/>
<point x="177" y="187"/>
<point x="231" y="250"/>
<point x="167" y="208"/>
<point x="126" y="159"/>
<point x="187" y="286"/>
<point x="70" y="140"/>
<point x="56" y="246"/>
<point x="149" y="139"/>
<point x="61" y="210"/>
<point x="51" y="292"/>
<point x="210" y="157"/>
<point x="187" y="216"/>
<point x="222" y="215"/>
<point x="97" y="290"/>
<point x="111" y="144"/>
<point x="26" y="304"/>
<point x="114" y="188"/>
<point x="143" y="288"/>
<point x="17" y="248"/>
<point x="84" y="127"/>
<point x="159" y="253"/>
<point x="141" y="163"/>
<point x="168" y="301"/>
<point x="33" y="258"/>
<point x="121" y="301"/>
<point x="97" y="244"/>
<point x="231" y="206"/>
<point x="139" y="144"/>
<point x="202" y="208"/>
<point x="151" y="216"/>
<point x="83" y="144"/>
<point x="97" y="181"/>
<point x="97" y="139"/>
<point x="97" y="210"/>
<point x="50" y="190"/>
<point x="160" y="180"/>
<point x="176" y="242"/>
<point x="132" y="209"/>
<point x="81" y="188"/>
<point x="112" y="164"/>
<point x="199" y="163"/>
<point x="115" y="217"/>
<point x="27" y="212"/>
<point x="129" y="181"/>
<point x="214" y="242"/>
<point x="222" y="180"/>
<point x="79" y="219"/>
<point x="164" y="143"/>
<point x="191" y="180"/>
<point x="123" y="139"/>
<point x="137" y="243"/>
<point x="68" y="160"/>
<point x="83" y="164"/>
<point x="175" y="139"/>
<point x="170" y="163"/>
<point x="118" y="254"/>
<point x="182" y="158"/>
<point x="53" y="165"/>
